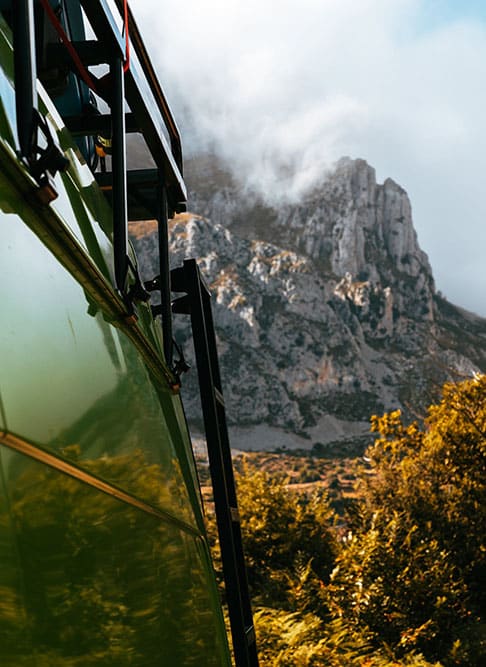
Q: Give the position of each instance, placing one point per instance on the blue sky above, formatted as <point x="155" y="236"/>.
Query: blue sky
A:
<point x="296" y="84"/>
<point x="435" y="13"/>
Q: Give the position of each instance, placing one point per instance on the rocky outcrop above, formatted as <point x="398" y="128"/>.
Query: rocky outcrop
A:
<point x="326" y="310"/>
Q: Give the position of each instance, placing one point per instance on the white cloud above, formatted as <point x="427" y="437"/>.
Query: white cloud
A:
<point x="296" y="84"/>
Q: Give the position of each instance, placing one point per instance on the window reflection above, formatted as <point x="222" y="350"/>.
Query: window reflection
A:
<point x="88" y="580"/>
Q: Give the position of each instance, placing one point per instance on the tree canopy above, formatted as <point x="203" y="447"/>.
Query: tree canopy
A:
<point x="404" y="584"/>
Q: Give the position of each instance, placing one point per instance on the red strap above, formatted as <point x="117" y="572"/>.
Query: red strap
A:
<point x="83" y="72"/>
<point x="126" y="66"/>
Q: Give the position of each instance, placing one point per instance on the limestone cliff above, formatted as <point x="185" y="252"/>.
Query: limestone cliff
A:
<point x="326" y="309"/>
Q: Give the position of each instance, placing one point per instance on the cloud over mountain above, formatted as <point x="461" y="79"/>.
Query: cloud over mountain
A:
<point x="283" y="90"/>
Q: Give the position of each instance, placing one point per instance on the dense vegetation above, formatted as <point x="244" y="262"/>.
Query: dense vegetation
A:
<point x="400" y="579"/>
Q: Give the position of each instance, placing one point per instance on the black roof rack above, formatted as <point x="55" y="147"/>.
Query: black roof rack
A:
<point x="150" y="113"/>
<point x="153" y="193"/>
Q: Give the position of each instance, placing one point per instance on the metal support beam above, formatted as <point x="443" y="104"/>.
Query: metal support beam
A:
<point x="188" y="279"/>
<point x="83" y="126"/>
<point x="164" y="272"/>
<point x="119" y="175"/>
<point x="25" y="75"/>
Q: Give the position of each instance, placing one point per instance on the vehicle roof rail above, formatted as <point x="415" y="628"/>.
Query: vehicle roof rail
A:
<point x="150" y="113"/>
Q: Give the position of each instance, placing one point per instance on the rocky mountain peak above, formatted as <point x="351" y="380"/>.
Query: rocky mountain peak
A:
<point x="325" y="309"/>
<point x="350" y="224"/>
<point x="343" y="220"/>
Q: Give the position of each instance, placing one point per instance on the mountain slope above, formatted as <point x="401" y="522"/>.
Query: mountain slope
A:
<point x="326" y="309"/>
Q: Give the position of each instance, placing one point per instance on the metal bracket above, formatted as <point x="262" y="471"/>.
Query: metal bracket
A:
<point x="45" y="162"/>
<point x="180" y="365"/>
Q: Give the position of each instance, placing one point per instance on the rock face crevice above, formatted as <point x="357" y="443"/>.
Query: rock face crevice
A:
<point x="326" y="310"/>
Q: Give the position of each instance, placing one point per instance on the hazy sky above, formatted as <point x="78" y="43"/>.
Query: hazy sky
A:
<point x="289" y="86"/>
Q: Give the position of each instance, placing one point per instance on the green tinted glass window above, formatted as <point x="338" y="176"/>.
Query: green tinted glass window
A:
<point x="74" y="383"/>
<point x="89" y="580"/>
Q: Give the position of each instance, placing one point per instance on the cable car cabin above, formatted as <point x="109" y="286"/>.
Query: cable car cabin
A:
<point x="103" y="552"/>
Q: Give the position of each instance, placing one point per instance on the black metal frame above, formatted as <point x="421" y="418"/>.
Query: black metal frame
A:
<point x="144" y="96"/>
<point x="43" y="162"/>
<point x="197" y="303"/>
<point x="144" y="194"/>
<point x="119" y="175"/>
<point x="164" y="269"/>
<point x="25" y="75"/>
